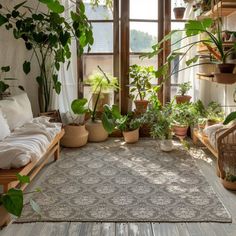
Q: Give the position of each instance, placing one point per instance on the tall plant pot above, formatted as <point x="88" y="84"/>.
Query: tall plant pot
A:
<point x="131" y="136"/>
<point x="166" y="145"/>
<point x="4" y="217"/>
<point x="75" y="136"/>
<point x="97" y="133"/>
<point x="103" y="99"/>
<point x="182" y="99"/>
<point x="141" y="105"/>
<point x="180" y="131"/>
<point x="179" y="12"/>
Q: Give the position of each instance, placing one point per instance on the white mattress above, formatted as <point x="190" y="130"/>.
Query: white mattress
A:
<point x="27" y="143"/>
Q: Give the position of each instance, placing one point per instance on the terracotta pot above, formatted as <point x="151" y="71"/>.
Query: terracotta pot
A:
<point x="166" y="145"/>
<point x="131" y="136"/>
<point x="104" y="99"/>
<point x="180" y="131"/>
<point x="75" y="136"/>
<point x="229" y="185"/>
<point x="141" y="105"/>
<point x="97" y="133"/>
<point x="4" y="217"/>
<point x="182" y="99"/>
<point x="225" y="78"/>
<point x="226" y="67"/>
<point x="179" y="12"/>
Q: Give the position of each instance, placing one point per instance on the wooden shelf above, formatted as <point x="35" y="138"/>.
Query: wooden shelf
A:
<point x="223" y="8"/>
<point x="218" y="77"/>
<point x="208" y="77"/>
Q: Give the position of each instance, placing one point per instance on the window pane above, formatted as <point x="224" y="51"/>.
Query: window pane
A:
<point x="143" y="9"/>
<point x="90" y="63"/>
<point x="178" y="35"/>
<point x="103" y="37"/>
<point x="142" y="36"/>
<point x="100" y="12"/>
<point x="173" y="91"/>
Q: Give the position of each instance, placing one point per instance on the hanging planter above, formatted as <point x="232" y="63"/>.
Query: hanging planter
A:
<point x="227" y="68"/>
<point x="225" y="78"/>
<point x="179" y="12"/>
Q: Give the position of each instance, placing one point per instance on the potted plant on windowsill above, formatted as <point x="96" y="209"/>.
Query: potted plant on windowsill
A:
<point x="127" y="124"/>
<point x="140" y="85"/>
<point x="183" y="89"/>
<point x="96" y="80"/>
<point x="76" y="134"/>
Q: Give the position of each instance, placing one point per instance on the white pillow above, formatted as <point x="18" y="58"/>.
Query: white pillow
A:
<point x="17" y="110"/>
<point x="208" y="131"/>
<point x="4" y="128"/>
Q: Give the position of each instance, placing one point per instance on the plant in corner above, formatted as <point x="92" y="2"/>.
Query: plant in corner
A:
<point x="12" y="201"/>
<point x="140" y="85"/>
<point x="49" y="36"/>
<point x="127" y="124"/>
<point x="76" y="134"/>
<point x="97" y="79"/>
<point x="183" y="89"/>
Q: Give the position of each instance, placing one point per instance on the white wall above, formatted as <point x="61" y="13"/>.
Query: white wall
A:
<point x="13" y="53"/>
<point x="210" y="91"/>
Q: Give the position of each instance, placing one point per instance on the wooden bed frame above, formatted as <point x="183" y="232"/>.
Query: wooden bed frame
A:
<point x="8" y="178"/>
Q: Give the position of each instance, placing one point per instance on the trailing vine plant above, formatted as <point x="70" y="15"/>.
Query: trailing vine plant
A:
<point x="48" y="34"/>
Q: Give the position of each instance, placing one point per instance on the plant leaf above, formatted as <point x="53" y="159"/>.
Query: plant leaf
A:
<point x="5" y="68"/>
<point x="3" y="20"/>
<point x="26" y="67"/>
<point x="23" y="178"/>
<point x="229" y="118"/>
<point x="77" y="106"/>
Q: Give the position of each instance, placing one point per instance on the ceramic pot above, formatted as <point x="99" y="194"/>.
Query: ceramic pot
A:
<point x="166" y="145"/>
<point x="131" y="136"/>
<point x="229" y="185"/>
<point x="179" y="12"/>
<point x="182" y="99"/>
<point x="226" y="67"/>
<point x="141" y="105"/>
<point x="75" y="136"/>
<point x="180" y="131"/>
<point x="4" y="217"/>
<point x="104" y="99"/>
<point x="225" y="78"/>
<point x="97" y="133"/>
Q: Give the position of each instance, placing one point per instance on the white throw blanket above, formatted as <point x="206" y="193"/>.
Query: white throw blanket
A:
<point x="27" y="143"/>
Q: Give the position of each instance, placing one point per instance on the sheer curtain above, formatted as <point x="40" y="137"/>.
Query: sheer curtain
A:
<point x="190" y="73"/>
<point x="68" y="78"/>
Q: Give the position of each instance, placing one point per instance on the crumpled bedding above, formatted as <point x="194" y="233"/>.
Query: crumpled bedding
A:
<point x="27" y="143"/>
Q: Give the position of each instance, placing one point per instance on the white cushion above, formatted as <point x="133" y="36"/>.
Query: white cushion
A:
<point x="209" y="130"/>
<point x="5" y="131"/>
<point x="17" y="110"/>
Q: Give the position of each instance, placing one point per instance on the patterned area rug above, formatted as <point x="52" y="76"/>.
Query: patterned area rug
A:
<point x="112" y="181"/>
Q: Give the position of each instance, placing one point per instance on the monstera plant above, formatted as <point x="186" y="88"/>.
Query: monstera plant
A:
<point x="48" y="34"/>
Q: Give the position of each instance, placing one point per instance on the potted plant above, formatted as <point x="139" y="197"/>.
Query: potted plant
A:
<point x="12" y="202"/>
<point x="214" y="113"/>
<point x="128" y="124"/>
<point x="48" y="35"/>
<point x="140" y="85"/>
<point x="179" y="11"/>
<point x="183" y="89"/>
<point x="162" y="130"/>
<point x="76" y="134"/>
<point x="181" y="117"/>
<point x="97" y="79"/>
<point x="229" y="182"/>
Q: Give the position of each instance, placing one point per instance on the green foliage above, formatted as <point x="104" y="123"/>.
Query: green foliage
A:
<point x="184" y="88"/>
<point x="78" y="106"/>
<point x="98" y="80"/>
<point x="230" y="117"/>
<point x="141" y="77"/>
<point x="48" y="35"/>
<point x="214" y="112"/>
<point x="230" y="177"/>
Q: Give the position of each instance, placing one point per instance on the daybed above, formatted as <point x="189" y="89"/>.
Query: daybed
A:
<point x="26" y="143"/>
<point x="221" y="141"/>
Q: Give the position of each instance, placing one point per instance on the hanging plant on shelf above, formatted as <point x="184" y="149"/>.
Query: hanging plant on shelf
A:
<point x="48" y="35"/>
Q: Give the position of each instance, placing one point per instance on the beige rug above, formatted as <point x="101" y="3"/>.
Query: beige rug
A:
<point x="115" y="182"/>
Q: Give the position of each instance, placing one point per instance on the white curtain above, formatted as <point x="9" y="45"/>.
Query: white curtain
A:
<point x="190" y="73"/>
<point x="68" y="78"/>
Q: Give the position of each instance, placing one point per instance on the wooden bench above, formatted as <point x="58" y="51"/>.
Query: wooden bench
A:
<point x="226" y="146"/>
<point x="8" y="178"/>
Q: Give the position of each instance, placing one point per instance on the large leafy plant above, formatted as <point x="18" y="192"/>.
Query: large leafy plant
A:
<point x="48" y="34"/>
<point x="12" y="200"/>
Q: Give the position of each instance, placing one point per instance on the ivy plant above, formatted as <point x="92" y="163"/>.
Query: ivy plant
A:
<point x="48" y="34"/>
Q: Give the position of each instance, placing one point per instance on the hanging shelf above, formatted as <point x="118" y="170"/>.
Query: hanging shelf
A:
<point x="220" y="78"/>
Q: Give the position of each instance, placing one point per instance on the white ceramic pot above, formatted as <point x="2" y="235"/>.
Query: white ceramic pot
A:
<point x="97" y="133"/>
<point x="75" y="136"/>
<point x="131" y="136"/>
<point x="166" y="145"/>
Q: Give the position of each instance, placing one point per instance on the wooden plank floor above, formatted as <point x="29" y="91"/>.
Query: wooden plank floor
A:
<point x="139" y="229"/>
